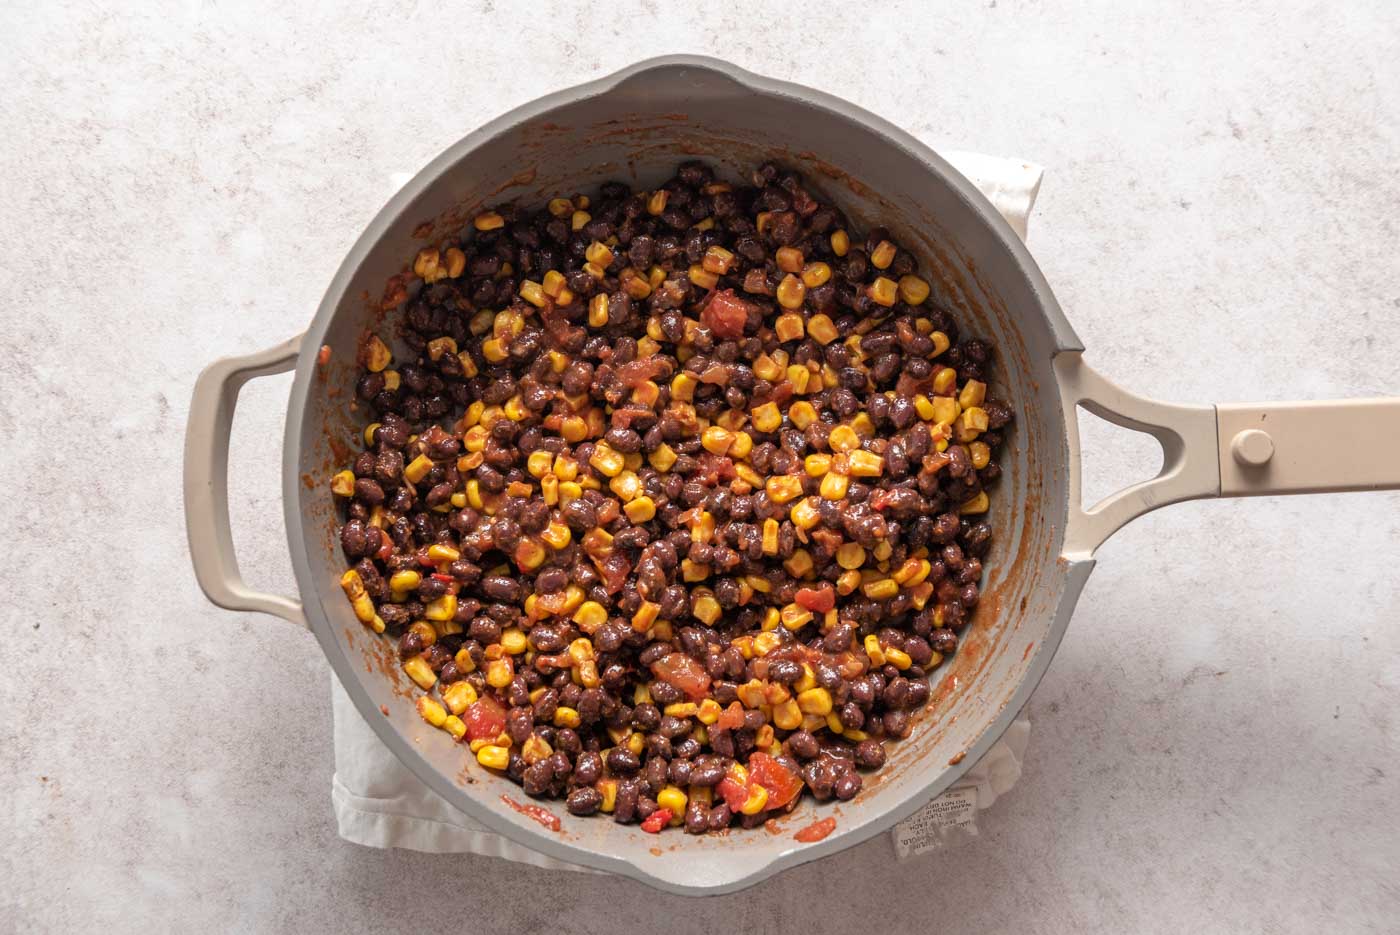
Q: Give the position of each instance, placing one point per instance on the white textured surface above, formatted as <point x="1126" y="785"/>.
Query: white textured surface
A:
<point x="1216" y="745"/>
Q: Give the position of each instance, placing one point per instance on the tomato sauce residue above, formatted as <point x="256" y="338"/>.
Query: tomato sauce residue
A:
<point x="957" y="759"/>
<point x="816" y="831"/>
<point x="543" y="815"/>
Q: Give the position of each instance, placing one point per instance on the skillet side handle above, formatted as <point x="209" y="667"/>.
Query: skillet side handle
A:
<point x="1187" y="434"/>
<point x="206" y="480"/>
<point x="1275" y="448"/>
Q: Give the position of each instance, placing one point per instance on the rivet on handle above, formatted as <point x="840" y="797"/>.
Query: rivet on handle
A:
<point x="1252" y="448"/>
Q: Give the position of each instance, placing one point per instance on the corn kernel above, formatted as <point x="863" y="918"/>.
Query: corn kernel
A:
<point x="864" y="464"/>
<point x="656" y="202"/>
<point x="608" y="789"/>
<point x="579" y="219"/>
<point x="883" y="255"/>
<point x="898" y="658"/>
<point x="783" y="487"/>
<point x="804" y="514"/>
<point x="636" y="743"/>
<point x="766" y="368"/>
<point x="692" y="572"/>
<point x="499" y="672"/>
<point x="814" y="701"/>
<point x="441" y="609"/>
<point x="973" y="393"/>
<point x="748" y="475"/>
<point x="789" y="327"/>
<point x="874" y="650"/>
<point x="493" y="350"/>
<point x="770" y="537"/>
<point x="640" y="510"/>
<point x="761" y="220"/>
<point x="681" y="709"/>
<point x="598" y="311"/>
<point x="663" y="458"/>
<point x="443" y="553"/>
<point x="847" y="582"/>
<point x="590" y="616"/>
<point x="970" y="424"/>
<point x="977" y="504"/>
<point x="794" y="616"/>
<point x="815" y="274"/>
<point x="844" y="438"/>
<point x="405" y="580"/>
<point x="944" y="381"/>
<point x="789" y="259"/>
<point x="981" y="454"/>
<point x="454" y="726"/>
<point x="766" y="418"/>
<point x="787" y="715"/>
<point x="598" y="253"/>
<point x="822" y="329"/>
<point x="534" y="749"/>
<point x="800" y="564"/>
<point x="343" y="484"/>
<point x="606" y="461"/>
<point x="743" y="444"/>
<point x="840" y="242"/>
<point x="634" y="283"/>
<point x="802" y="413"/>
<point x="791" y="292"/>
<point x="683" y="387"/>
<point x="417" y="668"/>
<point x="513" y="641"/>
<point x="703" y="529"/>
<point x="417" y="469"/>
<point x="533" y="293"/>
<point x="716" y="440"/>
<point x="493" y="757"/>
<point x="704" y="607"/>
<point x="912" y="290"/>
<point x="430" y="711"/>
<point x="880" y="590"/>
<point x="488" y="221"/>
<point x="672" y="798"/>
<point x="717" y="260"/>
<point x="702" y="277"/>
<point x="459" y="696"/>
<point x="560" y="207"/>
<point x="834" y="486"/>
<point x="883" y="291"/>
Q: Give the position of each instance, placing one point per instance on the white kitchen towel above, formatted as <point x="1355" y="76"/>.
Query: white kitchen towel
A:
<point x="379" y="803"/>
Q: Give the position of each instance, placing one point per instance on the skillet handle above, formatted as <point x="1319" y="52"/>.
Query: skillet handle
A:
<point x="1190" y="468"/>
<point x="1231" y="450"/>
<point x="206" y="480"/>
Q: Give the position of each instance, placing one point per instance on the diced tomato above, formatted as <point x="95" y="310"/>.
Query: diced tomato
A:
<point x="818" y="600"/>
<point x="725" y="314"/>
<point x="715" y="469"/>
<point x="657" y="820"/>
<point x="614" y="570"/>
<point x="732" y="717"/>
<point x="734" y="792"/>
<point x="386" y="547"/>
<point x="445" y="579"/>
<point x="680" y="671"/>
<point x="636" y="372"/>
<point x="485" y="718"/>
<point x="782" y="784"/>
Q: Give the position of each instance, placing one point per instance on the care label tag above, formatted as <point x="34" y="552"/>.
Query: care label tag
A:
<point x="949" y="819"/>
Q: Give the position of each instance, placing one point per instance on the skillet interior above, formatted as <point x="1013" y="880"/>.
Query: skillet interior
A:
<point x="636" y="125"/>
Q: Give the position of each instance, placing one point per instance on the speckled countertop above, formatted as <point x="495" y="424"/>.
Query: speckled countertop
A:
<point x="1215" y="747"/>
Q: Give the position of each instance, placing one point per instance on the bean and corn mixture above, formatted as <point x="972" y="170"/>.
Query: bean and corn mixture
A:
<point x="676" y="499"/>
